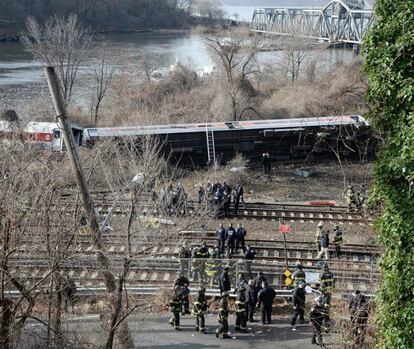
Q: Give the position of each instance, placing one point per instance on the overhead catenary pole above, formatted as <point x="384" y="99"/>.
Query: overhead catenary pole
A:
<point x="87" y="201"/>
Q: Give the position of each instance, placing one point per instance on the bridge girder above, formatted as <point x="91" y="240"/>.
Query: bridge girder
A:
<point x="337" y="21"/>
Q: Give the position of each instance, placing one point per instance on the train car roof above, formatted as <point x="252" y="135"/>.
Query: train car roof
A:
<point x="280" y="124"/>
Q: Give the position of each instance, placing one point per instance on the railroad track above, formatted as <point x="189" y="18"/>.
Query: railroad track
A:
<point x="251" y="211"/>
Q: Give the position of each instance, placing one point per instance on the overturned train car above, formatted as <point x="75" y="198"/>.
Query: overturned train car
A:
<point x="194" y="145"/>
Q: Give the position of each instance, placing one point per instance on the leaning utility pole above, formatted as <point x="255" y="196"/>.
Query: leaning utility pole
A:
<point x="88" y="204"/>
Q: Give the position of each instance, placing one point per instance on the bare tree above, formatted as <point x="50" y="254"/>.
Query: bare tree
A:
<point x="235" y="53"/>
<point x="295" y="49"/>
<point x="208" y="8"/>
<point x="61" y="43"/>
<point x="102" y="74"/>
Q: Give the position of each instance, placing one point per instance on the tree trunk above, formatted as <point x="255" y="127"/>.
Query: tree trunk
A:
<point x="6" y="321"/>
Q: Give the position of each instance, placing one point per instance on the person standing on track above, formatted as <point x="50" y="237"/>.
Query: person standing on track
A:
<point x="231" y="238"/>
<point x="338" y="241"/>
<point x="318" y="235"/>
<point x="221" y="238"/>
<point x="240" y="238"/>
<point x="248" y="260"/>
<point x="324" y="245"/>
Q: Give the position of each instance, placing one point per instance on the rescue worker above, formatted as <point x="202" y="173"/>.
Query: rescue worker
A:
<point x="324" y="245"/>
<point x="350" y="198"/>
<point x="249" y="256"/>
<point x="223" y="317"/>
<point x="203" y="254"/>
<point x="240" y="237"/>
<point x="176" y="304"/>
<point x="316" y="319"/>
<point x="184" y="254"/>
<point x="213" y="266"/>
<point x="238" y="196"/>
<point x="183" y="282"/>
<point x="231" y="238"/>
<point x="266" y="296"/>
<point x="241" y="308"/>
<point x="251" y="301"/>
<point x="226" y="198"/>
<point x="258" y="281"/>
<point x="201" y="194"/>
<point x="195" y="264"/>
<point x="199" y="309"/>
<point x="358" y="307"/>
<point x="299" y="301"/>
<point x="327" y="279"/>
<point x="327" y="282"/>
<point x="298" y="274"/>
<point x="318" y="235"/>
<point x="224" y="280"/>
<point x="221" y="238"/>
<point x="338" y="241"/>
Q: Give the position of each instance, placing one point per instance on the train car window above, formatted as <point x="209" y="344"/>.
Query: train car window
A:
<point x="56" y="134"/>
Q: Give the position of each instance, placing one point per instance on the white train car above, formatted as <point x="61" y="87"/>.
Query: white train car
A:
<point x="46" y="135"/>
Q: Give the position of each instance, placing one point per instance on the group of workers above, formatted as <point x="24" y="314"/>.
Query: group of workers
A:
<point x="322" y="241"/>
<point x="355" y="199"/>
<point x="256" y="291"/>
<point x="222" y="195"/>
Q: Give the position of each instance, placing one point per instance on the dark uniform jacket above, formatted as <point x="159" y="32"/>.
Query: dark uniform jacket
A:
<point x="258" y="282"/>
<point x="299" y="297"/>
<point x="250" y="295"/>
<point x="221" y="234"/>
<point x="200" y="303"/>
<point x="267" y="295"/>
<point x="241" y="233"/>
<point x="184" y="252"/>
<point x="224" y="281"/>
<point x="203" y="252"/>
<point x="250" y="254"/>
<point x="231" y="234"/>
<point x="325" y="240"/>
<point x="181" y="281"/>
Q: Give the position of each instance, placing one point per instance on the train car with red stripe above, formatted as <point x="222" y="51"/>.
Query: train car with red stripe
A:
<point x="46" y="135"/>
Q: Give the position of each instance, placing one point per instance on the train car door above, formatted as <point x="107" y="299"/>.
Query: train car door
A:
<point x="57" y="142"/>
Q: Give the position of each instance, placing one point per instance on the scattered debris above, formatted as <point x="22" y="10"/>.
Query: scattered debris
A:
<point x="305" y="172"/>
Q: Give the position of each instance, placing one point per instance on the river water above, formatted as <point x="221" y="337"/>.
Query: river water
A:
<point x="22" y="78"/>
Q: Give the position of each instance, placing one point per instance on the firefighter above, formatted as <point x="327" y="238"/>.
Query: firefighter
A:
<point x="199" y="309"/>
<point x="350" y="198"/>
<point x="338" y="241"/>
<point x="248" y="258"/>
<point x="318" y="235"/>
<point x="298" y="274"/>
<point x="299" y="301"/>
<point x="231" y="238"/>
<point x="183" y="282"/>
<point x="327" y="279"/>
<point x="221" y="238"/>
<point x="202" y="254"/>
<point x="316" y="318"/>
<point x="223" y="316"/>
<point x="184" y="254"/>
<point x="359" y="310"/>
<point x="176" y="304"/>
<point x="195" y="264"/>
<point x="266" y="296"/>
<point x="213" y="265"/>
<point x="241" y="308"/>
<point x="224" y="280"/>
<point x="240" y="236"/>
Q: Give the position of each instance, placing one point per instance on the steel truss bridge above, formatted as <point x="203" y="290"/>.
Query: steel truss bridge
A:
<point x="339" y="21"/>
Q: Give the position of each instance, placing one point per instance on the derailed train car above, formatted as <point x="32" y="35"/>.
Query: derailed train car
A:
<point x="200" y="143"/>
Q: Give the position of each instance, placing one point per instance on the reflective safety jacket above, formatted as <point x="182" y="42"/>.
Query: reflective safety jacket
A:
<point x="176" y="303"/>
<point x="338" y="239"/>
<point x="318" y="234"/>
<point x="200" y="304"/>
<point x="241" y="302"/>
<point x="298" y="275"/>
<point x="203" y="253"/>
<point x="223" y="310"/>
<point x="184" y="252"/>
<point x="212" y="267"/>
<point x="327" y="280"/>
